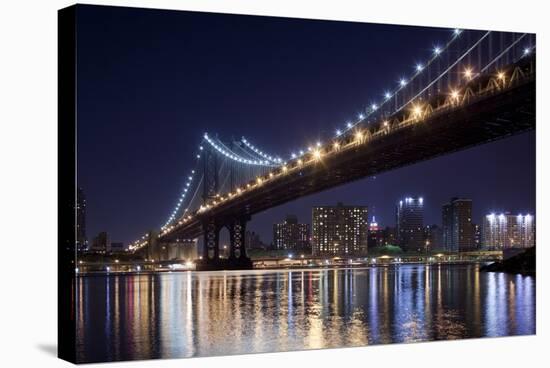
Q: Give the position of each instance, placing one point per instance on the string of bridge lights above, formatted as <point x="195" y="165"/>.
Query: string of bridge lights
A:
<point x="388" y="95"/>
<point x="187" y="186"/>
<point x="231" y="155"/>
<point x="275" y="160"/>
<point x="218" y="147"/>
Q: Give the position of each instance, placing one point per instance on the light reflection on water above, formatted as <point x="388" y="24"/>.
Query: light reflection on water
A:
<point x="174" y="315"/>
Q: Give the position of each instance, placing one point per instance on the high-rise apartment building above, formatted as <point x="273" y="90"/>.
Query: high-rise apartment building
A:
<point x="410" y="224"/>
<point x="433" y="237"/>
<point x="508" y="231"/>
<point x="291" y="235"/>
<point x="458" y="232"/>
<point x="81" y="240"/>
<point x="340" y="230"/>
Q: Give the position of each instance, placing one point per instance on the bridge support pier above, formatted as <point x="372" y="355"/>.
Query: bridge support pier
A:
<point x="211" y="246"/>
<point x="237" y="251"/>
<point x="237" y="231"/>
<point x="237" y="260"/>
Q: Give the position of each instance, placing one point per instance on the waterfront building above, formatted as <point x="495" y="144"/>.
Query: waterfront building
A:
<point x="179" y="250"/>
<point x="477" y="236"/>
<point x="506" y="231"/>
<point x="410" y="224"/>
<point x="252" y="240"/>
<point x="390" y="237"/>
<point x="81" y="240"/>
<point x="433" y="237"/>
<point x="101" y="243"/>
<point x="340" y="230"/>
<point x="291" y="235"/>
<point x="117" y="247"/>
<point x="458" y="235"/>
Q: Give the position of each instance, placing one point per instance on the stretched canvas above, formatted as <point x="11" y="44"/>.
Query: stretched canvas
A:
<point x="234" y="184"/>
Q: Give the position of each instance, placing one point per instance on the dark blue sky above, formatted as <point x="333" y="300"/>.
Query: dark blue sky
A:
<point x="151" y="82"/>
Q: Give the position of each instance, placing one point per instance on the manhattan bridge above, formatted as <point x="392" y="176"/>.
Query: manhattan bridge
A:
<point x="476" y="88"/>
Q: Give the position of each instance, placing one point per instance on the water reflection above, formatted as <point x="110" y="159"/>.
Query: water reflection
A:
<point x="196" y="314"/>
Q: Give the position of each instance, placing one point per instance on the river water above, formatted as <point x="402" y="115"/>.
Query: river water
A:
<point x="186" y="314"/>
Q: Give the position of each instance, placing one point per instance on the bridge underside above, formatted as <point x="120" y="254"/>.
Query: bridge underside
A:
<point x="488" y="119"/>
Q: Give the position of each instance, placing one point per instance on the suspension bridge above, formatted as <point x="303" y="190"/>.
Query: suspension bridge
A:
<point x="476" y="88"/>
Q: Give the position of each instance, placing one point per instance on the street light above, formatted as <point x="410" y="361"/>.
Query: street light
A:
<point x="417" y="111"/>
<point x="454" y="95"/>
<point x="317" y="154"/>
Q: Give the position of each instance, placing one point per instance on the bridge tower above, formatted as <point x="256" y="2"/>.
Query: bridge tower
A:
<point x="237" y="225"/>
<point x="211" y="227"/>
<point x="212" y="224"/>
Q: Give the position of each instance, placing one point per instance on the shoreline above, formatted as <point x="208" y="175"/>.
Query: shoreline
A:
<point x="282" y="268"/>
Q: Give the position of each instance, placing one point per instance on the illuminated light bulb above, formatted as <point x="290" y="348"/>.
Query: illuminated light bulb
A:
<point x="457" y="31"/>
<point x="349" y="125"/>
<point x="318" y="144"/>
<point x="374" y="106"/>
<point x="403" y="82"/>
<point x="301" y="152"/>
<point x="198" y="156"/>
<point x="437" y="50"/>
<point x="293" y="155"/>
<point x="300" y="161"/>
<point x="317" y="154"/>
<point x="468" y="73"/>
<point x="270" y="174"/>
<point x="501" y="75"/>
<point x="336" y="145"/>
<point x="338" y="132"/>
<point x="419" y="67"/>
<point x="358" y="135"/>
<point x="454" y="95"/>
<point x="285" y="168"/>
<point x="417" y="111"/>
<point x="259" y="180"/>
<point x="239" y="190"/>
<point x="387" y="95"/>
<point x="361" y="116"/>
<point x="526" y="51"/>
<point x="385" y="123"/>
<point x="201" y="148"/>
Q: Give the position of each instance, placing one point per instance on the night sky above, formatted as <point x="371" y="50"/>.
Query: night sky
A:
<point x="151" y="82"/>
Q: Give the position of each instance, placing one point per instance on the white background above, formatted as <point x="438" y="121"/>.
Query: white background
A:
<point x="28" y="187"/>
